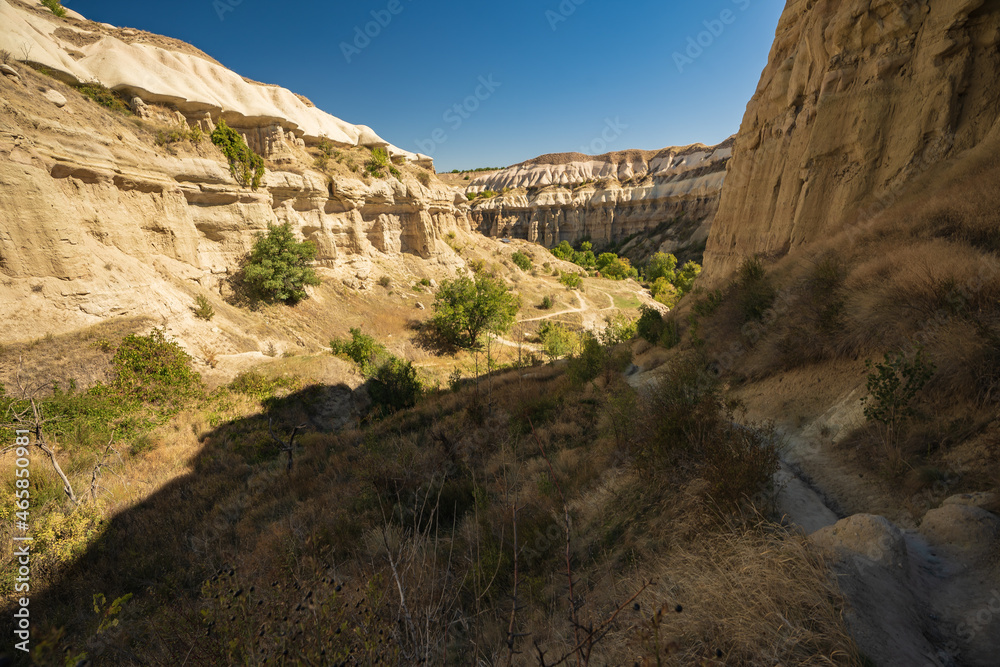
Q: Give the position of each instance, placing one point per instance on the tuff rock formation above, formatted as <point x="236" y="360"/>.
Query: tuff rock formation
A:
<point x="858" y="98"/>
<point x="608" y="198"/>
<point x="100" y="220"/>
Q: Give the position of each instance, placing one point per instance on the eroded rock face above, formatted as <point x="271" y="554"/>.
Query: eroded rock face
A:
<point x="567" y="197"/>
<point x="164" y="70"/>
<point x="858" y="98"/>
<point x="98" y="221"/>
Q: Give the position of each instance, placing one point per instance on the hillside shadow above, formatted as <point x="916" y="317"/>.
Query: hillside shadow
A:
<point x="163" y="548"/>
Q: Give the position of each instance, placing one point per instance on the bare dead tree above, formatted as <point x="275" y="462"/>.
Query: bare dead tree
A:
<point x="282" y="447"/>
<point x="102" y="463"/>
<point x="30" y="415"/>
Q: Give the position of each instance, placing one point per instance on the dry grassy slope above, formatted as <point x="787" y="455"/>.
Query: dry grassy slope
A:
<point x="857" y="99"/>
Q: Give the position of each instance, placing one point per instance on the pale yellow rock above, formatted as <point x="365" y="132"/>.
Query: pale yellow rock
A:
<point x="566" y="197"/>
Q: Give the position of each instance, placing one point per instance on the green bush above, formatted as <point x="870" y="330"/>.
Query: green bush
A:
<point x="154" y="370"/>
<point x="465" y="309"/>
<point x="892" y="387"/>
<point x="385" y="281"/>
<point x="377" y="162"/>
<point x="620" y="328"/>
<point x="557" y="341"/>
<point x="617" y="268"/>
<point x="203" y="308"/>
<point x="362" y="349"/>
<point x="546" y="303"/>
<point x="394" y="385"/>
<point x="522" y="261"/>
<point x="424" y="177"/>
<point x="392" y="382"/>
<point x="661" y="265"/>
<point x="278" y="267"/>
<point x="570" y="280"/>
<point x="650" y="325"/>
<point x="246" y="166"/>
<point x="103" y="96"/>
<point x="664" y="292"/>
<point x="56" y="7"/>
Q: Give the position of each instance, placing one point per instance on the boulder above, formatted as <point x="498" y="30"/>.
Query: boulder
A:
<point x="55" y="97"/>
<point x="872" y="537"/>
<point x="968" y="533"/>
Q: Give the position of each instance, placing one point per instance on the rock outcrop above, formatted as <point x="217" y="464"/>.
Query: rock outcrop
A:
<point x="159" y="69"/>
<point x="858" y="98"/>
<point x="100" y="218"/>
<point x="608" y="198"/>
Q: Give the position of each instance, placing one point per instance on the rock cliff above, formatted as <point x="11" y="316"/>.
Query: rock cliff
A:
<point x="101" y="217"/>
<point x="857" y="99"/>
<point x="608" y="198"/>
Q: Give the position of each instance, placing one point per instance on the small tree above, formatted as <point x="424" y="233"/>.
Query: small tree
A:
<point x="522" y="261"/>
<point x="557" y="340"/>
<point x="892" y="387"/>
<point x="278" y="268"/>
<point x="661" y="265"/>
<point x="465" y="309"/>
<point x="246" y="166"/>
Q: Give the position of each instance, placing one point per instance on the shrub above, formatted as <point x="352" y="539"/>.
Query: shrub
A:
<point x="153" y="370"/>
<point x="398" y="175"/>
<point x="278" y="269"/>
<point x="617" y="268"/>
<point x="892" y="386"/>
<point x="392" y="382"/>
<point x="546" y="303"/>
<point x="377" y="162"/>
<point x="557" y="340"/>
<point x="103" y="96"/>
<point x="246" y="166"/>
<point x="203" y="308"/>
<point x="385" y="281"/>
<point x="665" y="292"/>
<point x="755" y="291"/>
<point x="661" y="265"/>
<point x="362" y="349"/>
<point x="56" y="7"/>
<point x="258" y="385"/>
<point x="650" y="325"/>
<point x="684" y="281"/>
<point x="465" y="309"/>
<point x="522" y="261"/>
<point x="424" y="177"/>
<point x="394" y="385"/>
<point x="570" y="280"/>
<point x="620" y="328"/>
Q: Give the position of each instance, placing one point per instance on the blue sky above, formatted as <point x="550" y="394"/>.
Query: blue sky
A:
<point x="479" y="84"/>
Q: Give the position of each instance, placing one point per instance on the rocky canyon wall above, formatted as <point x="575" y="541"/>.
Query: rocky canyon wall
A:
<point x="567" y="197"/>
<point x="858" y="98"/>
<point x="98" y="218"/>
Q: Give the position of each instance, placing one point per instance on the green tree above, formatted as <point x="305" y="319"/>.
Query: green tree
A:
<point x="892" y="387"/>
<point x="557" y="340"/>
<point x="522" y="260"/>
<point x="661" y="265"/>
<point x="246" y="166"/>
<point x="664" y="292"/>
<point x="465" y="309"/>
<point x="684" y="281"/>
<point x="617" y="268"/>
<point x="278" y="268"/>
<point x="564" y="251"/>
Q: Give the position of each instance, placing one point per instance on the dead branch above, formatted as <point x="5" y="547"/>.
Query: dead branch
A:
<point x="282" y="447"/>
<point x="102" y="463"/>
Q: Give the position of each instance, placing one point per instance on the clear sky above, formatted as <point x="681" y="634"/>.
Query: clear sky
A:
<point x="478" y="84"/>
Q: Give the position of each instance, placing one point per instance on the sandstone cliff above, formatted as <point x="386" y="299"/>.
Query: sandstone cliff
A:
<point x="608" y="198"/>
<point x="99" y="219"/>
<point x="164" y="70"/>
<point x="857" y="99"/>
